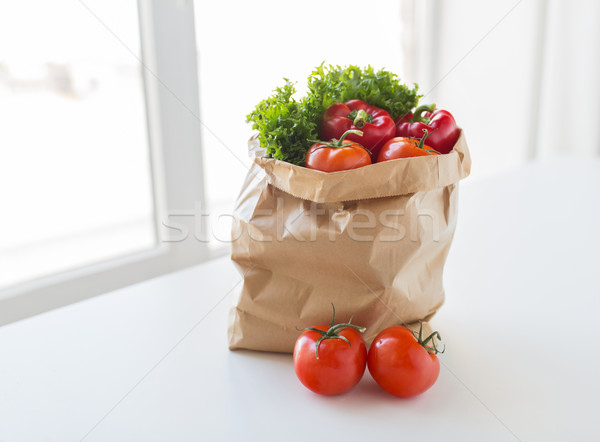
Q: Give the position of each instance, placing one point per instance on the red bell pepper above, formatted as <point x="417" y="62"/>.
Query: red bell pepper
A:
<point x="427" y="117"/>
<point x="375" y="123"/>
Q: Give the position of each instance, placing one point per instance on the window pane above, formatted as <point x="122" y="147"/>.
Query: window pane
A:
<point x="75" y="181"/>
<point x="244" y="55"/>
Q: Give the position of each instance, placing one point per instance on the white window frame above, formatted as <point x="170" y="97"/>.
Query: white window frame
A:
<point x="170" y="73"/>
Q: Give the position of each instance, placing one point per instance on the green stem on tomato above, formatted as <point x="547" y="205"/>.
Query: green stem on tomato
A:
<point x="433" y="349"/>
<point x="334" y="329"/>
<point x="426" y="133"/>
<point x="339" y="142"/>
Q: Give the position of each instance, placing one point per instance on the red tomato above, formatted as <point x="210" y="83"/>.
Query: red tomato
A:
<point x="337" y="155"/>
<point x="402" y="364"/>
<point x="332" y="159"/>
<point x="330" y="359"/>
<point x="403" y="147"/>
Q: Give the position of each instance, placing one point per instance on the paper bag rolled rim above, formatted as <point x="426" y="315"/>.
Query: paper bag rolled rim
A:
<point x="389" y="178"/>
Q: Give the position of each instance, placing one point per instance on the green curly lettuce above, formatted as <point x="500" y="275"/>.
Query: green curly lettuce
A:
<point x="285" y="125"/>
<point x="378" y="88"/>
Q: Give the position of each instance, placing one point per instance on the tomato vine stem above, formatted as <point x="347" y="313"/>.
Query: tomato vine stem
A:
<point x="340" y="143"/>
<point x="433" y="349"/>
<point x="332" y="332"/>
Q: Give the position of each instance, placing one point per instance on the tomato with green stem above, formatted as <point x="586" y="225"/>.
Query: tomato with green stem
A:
<point x="403" y="147"/>
<point x="330" y="359"/>
<point x="402" y="362"/>
<point x="336" y="155"/>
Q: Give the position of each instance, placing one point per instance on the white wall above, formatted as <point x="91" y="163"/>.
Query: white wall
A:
<point x="512" y="73"/>
<point x="570" y="106"/>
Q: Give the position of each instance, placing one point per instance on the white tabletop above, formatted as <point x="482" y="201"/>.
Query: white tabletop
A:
<point x="150" y="362"/>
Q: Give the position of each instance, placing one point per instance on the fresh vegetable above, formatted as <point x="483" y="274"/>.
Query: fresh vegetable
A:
<point x="403" y="147"/>
<point x="426" y="117"/>
<point x="336" y="155"/>
<point x="402" y="364"/>
<point x="375" y="123"/>
<point x="330" y="359"/>
<point x="382" y="89"/>
<point x="284" y="124"/>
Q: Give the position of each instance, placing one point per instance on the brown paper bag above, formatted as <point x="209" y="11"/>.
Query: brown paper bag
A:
<point x="372" y="241"/>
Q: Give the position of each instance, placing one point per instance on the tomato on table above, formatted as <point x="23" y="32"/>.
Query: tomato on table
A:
<point x="403" y="364"/>
<point x="330" y="359"/>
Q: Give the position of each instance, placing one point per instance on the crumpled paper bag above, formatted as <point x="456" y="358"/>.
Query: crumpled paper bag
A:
<point x="372" y="241"/>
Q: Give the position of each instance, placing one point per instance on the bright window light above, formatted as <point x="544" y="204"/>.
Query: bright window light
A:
<point x="75" y="181"/>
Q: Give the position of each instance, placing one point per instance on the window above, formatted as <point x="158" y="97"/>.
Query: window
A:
<point x="74" y="170"/>
<point x="101" y="161"/>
